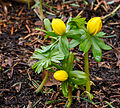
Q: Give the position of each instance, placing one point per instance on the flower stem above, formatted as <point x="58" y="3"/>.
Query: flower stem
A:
<point x="42" y="84"/>
<point x="87" y="72"/>
<point x="41" y="10"/>
<point x="69" y="96"/>
<point x="28" y="2"/>
<point x="57" y="66"/>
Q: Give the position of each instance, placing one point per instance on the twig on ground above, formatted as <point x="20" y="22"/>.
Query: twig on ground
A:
<point x="31" y="34"/>
<point x="28" y="28"/>
<point x="118" y="7"/>
<point x="4" y="89"/>
<point x="20" y="11"/>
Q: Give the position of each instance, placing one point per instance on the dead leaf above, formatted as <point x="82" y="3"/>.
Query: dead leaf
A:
<point x="50" y="80"/>
<point x="39" y="23"/>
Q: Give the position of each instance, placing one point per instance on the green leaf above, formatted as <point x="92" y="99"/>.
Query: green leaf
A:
<point x="110" y="36"/>
<point x="63" y="45"/>
<point x="69" y="62"/>
<point x="52" y="34"/>
<point x="64" y="86"/>
<point x="47" y="25"/>
<point x="100" y="34"/>
<point x="88" y="100"/>
<point x="97" y="53"/>
<point x="78" y="77"/>
<point x="75" y="34"/>
<point x="39" y="67"/>
<point x="34" y="105"/>
<point x="44" y="49"/>
<point x="90" y="96"/>
<point x="85" y="46"/>
<point x="0" y="69"/>
<point x="36" y="64"/>
<point x="109" y="104"/>
<point x="73" y="43"/>
<point x="102" y="45"/>
<point x="56" y="57"/>
<point x="86" y="3"/>
<point x="67" y="24"/>
<point x="40" y="29"/>
<point x="77" y="22"/>
<point x="47" y="63"/>
<point x="52" y="101"/>
<point x="46" y="56"/>
<point x="83" y="37"/>
<point x="47" y="48"/>
<point x="37" y="55"/>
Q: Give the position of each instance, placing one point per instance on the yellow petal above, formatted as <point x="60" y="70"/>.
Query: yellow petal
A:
<point x="61" y="75"/>
<point x="58" y="26"/>
<point x="94" y="25"/>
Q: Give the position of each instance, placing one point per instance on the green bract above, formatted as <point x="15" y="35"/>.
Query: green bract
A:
<point x="86" y="41"/>
<point x="46" y="56"/>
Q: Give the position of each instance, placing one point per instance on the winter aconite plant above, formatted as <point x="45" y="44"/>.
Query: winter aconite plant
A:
<point x="88" y="38"/>
<point x="57" y="57"/>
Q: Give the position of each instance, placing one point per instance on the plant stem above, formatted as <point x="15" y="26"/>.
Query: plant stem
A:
<point x="57" y="66"/>
<point x="28" y="2"/>
<point x="69" y="96"/>
<point x="41" y="10"/>
<point x="42" y="84"/>
<point x="87" y="72"/>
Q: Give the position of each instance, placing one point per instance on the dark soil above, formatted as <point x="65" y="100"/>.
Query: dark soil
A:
<point x="17" y="77"/>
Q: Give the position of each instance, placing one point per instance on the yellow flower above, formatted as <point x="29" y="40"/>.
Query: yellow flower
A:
<point x="58" y="26"/>
<point x="94" y="25"/>
<point x="61" y="75"/>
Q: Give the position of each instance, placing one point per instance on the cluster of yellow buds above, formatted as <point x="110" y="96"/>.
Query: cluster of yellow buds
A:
<point x="61" y="75"/>
<point x="94" y="25"/>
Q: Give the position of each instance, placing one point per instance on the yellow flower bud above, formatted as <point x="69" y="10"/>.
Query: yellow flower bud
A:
<point x="61" y="75"/>
<point x="94" y="25"/>
<point x="58" y="26"/>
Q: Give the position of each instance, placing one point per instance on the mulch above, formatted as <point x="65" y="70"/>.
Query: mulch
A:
<point x="18" y="40"/>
